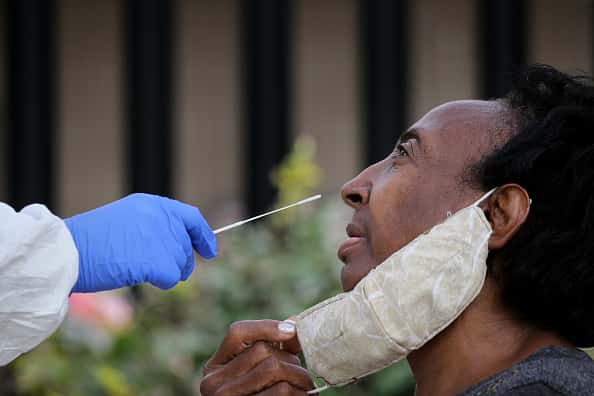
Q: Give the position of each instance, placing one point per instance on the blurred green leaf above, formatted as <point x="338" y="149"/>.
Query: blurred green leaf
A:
<point x="112" y="381"/>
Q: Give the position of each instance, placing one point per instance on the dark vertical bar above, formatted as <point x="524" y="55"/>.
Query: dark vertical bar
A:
<point x="148" y="72"/>
<point x="7" y="375"/>
<point x="503" y="43"/>
<point x="266" y="95"/>
<point x="30" y="102"/>
<point x="384" y="48"/>
<point x="3" y="99"/>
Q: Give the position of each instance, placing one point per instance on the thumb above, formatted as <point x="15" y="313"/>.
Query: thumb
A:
<point x="203" y="240"/>
<point x="292" y="345"/>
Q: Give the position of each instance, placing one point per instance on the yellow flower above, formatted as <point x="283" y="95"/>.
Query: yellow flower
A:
<point x="297" y="177"/>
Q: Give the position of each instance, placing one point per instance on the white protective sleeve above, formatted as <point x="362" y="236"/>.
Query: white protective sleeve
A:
<point x="38" y="267"/>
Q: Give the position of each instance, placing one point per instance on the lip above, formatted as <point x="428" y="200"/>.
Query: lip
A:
<point x="347" y="246"/>
<point x="355" y="236"/>
<point x="353" y="230"/>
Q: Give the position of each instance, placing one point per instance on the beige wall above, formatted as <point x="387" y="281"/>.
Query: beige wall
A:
<point x="90" y="110"/>
<point x="207" y="141"/>
<point x="326" y="102"/>
<point x="561" y="34"/>
<point x="208" y="162"/>
<point x="443" y="53"/>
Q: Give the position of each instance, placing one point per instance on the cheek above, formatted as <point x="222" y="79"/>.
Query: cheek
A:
<point x="391" y="223"/>
<point x="399" y="211"/>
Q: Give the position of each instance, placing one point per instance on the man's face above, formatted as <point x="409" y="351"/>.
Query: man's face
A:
<point x="413" y="188"/>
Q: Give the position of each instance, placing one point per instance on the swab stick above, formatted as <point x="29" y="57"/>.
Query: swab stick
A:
<point x="242" y="222"/>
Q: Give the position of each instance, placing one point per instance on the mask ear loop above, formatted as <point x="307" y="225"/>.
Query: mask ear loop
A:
<point x="318" y="390"/>
<point x="478" y="201"/>
<point x="486" y="195"/>
<point x="483" y="197"/>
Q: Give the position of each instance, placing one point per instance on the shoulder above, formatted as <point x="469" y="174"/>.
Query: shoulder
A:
<point x="567" y="370"/>
<point x="550" y="371"/>
<point x="534" y="389"/>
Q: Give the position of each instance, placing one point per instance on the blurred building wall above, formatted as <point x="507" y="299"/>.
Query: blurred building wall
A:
<point x="443" y="57"/>
<point x="208" y="148"/>
<point x="208" y="145"/>
<point x="90" y="120"/>
<point x="326" y="84"/>
<point x="561" y="34"/>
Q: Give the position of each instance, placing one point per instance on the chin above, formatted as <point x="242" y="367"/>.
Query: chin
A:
<point x="354" y="270"/>
<point x="348" y="279"/>
<point x="345" y="282"/>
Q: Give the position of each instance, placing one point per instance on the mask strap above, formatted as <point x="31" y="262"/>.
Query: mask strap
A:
<point x="318" y="390"/>
<point x="483" y="197"/>
<point x="486" y="195"/>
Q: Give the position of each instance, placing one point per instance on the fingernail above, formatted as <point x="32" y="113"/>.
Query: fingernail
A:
<point x="286" y="327"/>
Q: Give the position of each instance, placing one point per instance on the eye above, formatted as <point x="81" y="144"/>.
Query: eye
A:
<point x="400" y="151"/>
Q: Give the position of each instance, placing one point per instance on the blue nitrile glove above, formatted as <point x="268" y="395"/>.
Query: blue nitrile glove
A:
<point x="140" y="238"/>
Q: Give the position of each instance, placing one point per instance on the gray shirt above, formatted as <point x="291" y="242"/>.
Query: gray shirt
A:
<point x="550" y="371"/>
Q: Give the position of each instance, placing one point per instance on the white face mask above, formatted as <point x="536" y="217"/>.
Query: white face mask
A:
<point x="401" y="304"/>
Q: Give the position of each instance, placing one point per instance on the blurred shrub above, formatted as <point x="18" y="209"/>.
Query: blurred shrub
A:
<point x="267" y="270"/>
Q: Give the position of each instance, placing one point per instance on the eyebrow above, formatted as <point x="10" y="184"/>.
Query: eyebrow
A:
<point x="409" y="135"/>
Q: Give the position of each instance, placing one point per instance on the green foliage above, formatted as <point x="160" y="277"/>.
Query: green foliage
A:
<point x="263" y="271"/>
<point x="298" y="175"/>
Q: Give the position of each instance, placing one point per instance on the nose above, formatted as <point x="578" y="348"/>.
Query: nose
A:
<point x="355" y="193"/>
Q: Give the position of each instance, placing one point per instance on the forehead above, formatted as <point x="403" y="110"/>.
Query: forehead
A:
<point x="464" y="127"/>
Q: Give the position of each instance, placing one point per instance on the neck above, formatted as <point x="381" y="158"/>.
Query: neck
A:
<point x="482" y="341"/>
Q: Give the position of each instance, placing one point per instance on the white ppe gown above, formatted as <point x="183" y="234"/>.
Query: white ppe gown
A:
<point x="38" y="268"/>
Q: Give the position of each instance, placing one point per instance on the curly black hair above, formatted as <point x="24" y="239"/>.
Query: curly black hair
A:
<point x="546" y="271"/>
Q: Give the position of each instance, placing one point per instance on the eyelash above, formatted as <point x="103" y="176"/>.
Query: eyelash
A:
<point x="398" y="152"/>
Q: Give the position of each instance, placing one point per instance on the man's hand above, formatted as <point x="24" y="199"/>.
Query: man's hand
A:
<point x="250" y="362"/>
<point x="140" y="238"/>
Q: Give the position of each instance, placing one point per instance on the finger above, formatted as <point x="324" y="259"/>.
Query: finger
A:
<point x="292" y="345"/>
<point x="266" y="374"/>
<point x="258" y="352"/>
<point x="188" y="268"/>
<point x="180" y="246"/>
<point x="216" y="376"/>
<point x="244" y="334"/>
<point x="282" y="389"/>
<point x="165" y="279"/>
<point x="183" y="253"/>
<point x="203" y="240"/>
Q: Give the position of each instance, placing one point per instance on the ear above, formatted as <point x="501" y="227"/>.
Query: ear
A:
<point x="506" y="209"/>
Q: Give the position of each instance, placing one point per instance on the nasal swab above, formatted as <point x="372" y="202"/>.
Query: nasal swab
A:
<point x="242" y="222"/>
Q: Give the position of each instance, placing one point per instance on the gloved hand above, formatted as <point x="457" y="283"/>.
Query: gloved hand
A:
<point x="140" y="238"/>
